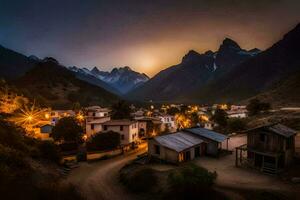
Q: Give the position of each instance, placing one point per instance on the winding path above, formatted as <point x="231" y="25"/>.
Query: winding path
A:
<point x="99" y="180"/>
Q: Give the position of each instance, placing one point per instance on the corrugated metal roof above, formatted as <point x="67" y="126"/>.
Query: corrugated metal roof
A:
<point x="282" y="130"/>
<point x="178" y="141"/>
<point x="207" y="134"/>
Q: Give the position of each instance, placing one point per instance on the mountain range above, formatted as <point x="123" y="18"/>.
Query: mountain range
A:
<point x="230" y="74"/>
<point x="195" y="70"/>
<point x="118" y="80"/>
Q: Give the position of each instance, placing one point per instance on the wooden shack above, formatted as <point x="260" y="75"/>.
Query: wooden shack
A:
<point x="269" y="148"/>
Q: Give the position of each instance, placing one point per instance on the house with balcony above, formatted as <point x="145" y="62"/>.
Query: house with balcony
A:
<point x="269" y="148"/>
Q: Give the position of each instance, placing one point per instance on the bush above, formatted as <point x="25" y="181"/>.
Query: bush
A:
<point x="191" y="182"/>
<point x="141" y="181"/>
<point x="236" y="124"/>
<point x="104" y="141"/>
<point x="255" y="107"/>
<point x="49" y="151"/>
<point x="220" y="117"/>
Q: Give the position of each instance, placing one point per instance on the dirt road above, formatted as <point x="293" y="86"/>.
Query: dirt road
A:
<point x="99" y="180"/>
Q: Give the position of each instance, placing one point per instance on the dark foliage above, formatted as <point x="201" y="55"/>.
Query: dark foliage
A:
<point x="220" y="117"/>
<point x="121" y="110"/>
<point x="68" y="130"/>
<point x="173" y="111"/>
<point x="104" y="141"/>
<point x="255" y="107"/>
<point x="236" y="124"/>
<point x="192" y="182"/>
<point x="49" y="151"/>
<point x="142" y="180"/>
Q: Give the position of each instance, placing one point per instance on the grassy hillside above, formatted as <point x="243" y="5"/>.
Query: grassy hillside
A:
<point x="28" y="167"/>
<point x="53" y="85"/>
<point x="284" y="93"/>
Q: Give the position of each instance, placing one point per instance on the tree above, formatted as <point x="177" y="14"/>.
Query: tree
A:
<point x="104" y="141"/>
<point x="121" y="110"/>
<point x="67" y="130"/>
<point x="194" y="119"/>
<point x="172" y="111"/>
<point x="236" y="124"/>
<point x="255" y="107"/>
<point x="220" y="117"/>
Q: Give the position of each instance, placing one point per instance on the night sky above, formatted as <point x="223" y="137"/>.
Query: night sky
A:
<point x="145" y="35"/>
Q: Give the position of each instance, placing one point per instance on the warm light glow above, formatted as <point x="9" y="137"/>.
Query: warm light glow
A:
<point x="182" y="121"/>
<point x="47" y="116"/>
<point x="204" y="118"/>
<point x="80" y="117"/>
<point x="223" y="106"/>
<point x="84" y="137"/>
<point x="29" y="117"/>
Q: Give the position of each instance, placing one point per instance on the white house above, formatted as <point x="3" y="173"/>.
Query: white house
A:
<point x="95" y="126"/>
<point x="129" y="130"/>
<point x="95" y="112"/>
<point x="168" y="121"/>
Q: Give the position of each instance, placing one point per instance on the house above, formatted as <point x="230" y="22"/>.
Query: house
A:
<point x="169" y="122"/>
<point x="149" y="126"/>
<point x="175" y="147"/>
<point x="128" y="130"/>
<point x="214" y="141"/>
<point x="96" y="112"/>
<point x="95" y="126"/>
<point x="269" y="148"/>
<point x="43" y="131"/>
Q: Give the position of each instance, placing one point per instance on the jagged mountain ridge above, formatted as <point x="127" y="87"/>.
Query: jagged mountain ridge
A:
<point x="194" y="71"/>
<point x="259" y="74"/>
<point x="122" y="79"/>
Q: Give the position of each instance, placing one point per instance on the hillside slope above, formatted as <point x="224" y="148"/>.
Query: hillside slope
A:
<point x="54" y="85"/>
<point x="13" y="64"/>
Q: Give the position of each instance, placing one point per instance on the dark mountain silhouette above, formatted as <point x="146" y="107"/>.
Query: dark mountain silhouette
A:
<point x="54" y="85"/>
<point x="195" y="70"/>
<point x="256" y="75"/>
<point x="13" y="64"/>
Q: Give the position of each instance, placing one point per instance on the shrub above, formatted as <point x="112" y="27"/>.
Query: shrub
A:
<point x="255" y="107"/>
<point x="104" y="141"/>
<point x="49" y="151"/>
<point x="141" y="181"/>
<point x="236" y="124"/>
<point x="191" y="182"/>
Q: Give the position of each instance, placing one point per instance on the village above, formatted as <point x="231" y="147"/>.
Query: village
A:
<point x="163" y="137"/>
